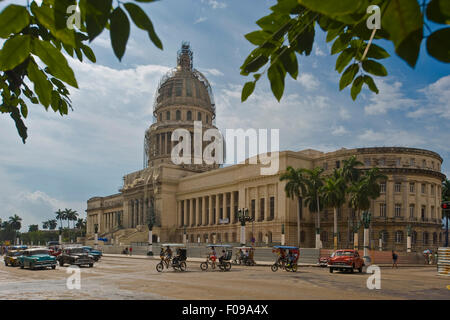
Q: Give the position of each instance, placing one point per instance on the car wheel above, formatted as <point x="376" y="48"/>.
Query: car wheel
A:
<point x="360" y="269"/>
<point x="32" y="266"/>
<point x="159" y="267"/>
<point x="91" y="265"/>
<point x="274" y="267"/>
<point x="21" y="266"/>
<point x="351" y="269"/>
<point x="227" y="266"/>
<point x="183" y="266"/>
<point x="6" y="263"/>
<point x="54" y="267"/>
<point x="61" y="263"/>
<point x="294" y="268"/>
<point x="331" y="270"/>
<point x="204" y="266"/>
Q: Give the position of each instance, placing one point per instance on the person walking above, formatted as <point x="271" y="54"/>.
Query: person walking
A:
<point x="131" y="251"/>
<point x="394" y="260"/>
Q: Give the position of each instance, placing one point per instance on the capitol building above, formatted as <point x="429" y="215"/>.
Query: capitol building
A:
<point x="202" y="200"/>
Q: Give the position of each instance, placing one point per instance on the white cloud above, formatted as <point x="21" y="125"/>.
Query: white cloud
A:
<point x="390" y="97"/>
<point x="212" y="72"/>
<point x="318" y="51"/>
<point x="391" y="137"/>
<point x="339" y="131"/>
<point x="437" y="100"/>
<point x="308" y="81"/>
<point x="201" y="19"/>
<point x="215" y="4"/>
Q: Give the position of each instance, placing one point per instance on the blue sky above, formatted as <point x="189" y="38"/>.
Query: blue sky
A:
<point x="68" y="160"/>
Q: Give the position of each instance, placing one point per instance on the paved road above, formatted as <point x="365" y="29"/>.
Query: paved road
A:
<point x="123" y="278"/>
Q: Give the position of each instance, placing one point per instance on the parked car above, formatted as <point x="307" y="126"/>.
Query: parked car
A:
<point x="344" y="260"/>
<point x="37" y="258"/>
<point x="97" y="254"/>
<point x="75" y="256"/>
<point x="12" y="258"/>
<point x="54" y="250"/>
<point x="323" y="261"/>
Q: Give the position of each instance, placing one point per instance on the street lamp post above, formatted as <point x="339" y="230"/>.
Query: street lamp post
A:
<point x="96" y="236"/>
<point x="408" y="239"/>
<point x="60" y="236"/>
<point x="184" y="235"/>
<point x="243" y="217"/>
<point x="366" y="218"/>
<point x="150" y="223"/>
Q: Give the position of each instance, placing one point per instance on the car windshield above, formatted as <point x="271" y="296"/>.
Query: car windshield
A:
<point x="38" y="252"/>
<point x="15" y="253"/>
<point x="76" y="250"/>
<point x="343" y="253"/>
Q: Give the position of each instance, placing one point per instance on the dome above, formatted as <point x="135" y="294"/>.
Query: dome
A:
<point x="184" y="85"/>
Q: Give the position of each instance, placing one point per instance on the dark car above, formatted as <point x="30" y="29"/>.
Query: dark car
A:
<point x="75" y="256"/>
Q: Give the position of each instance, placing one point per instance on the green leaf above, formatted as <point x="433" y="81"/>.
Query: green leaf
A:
<point x="374" y="68"/>
<point x="96" y="13"/>
<point x="119" y="32"/>
<point x="257" y="37"/>
<point x="290" y="63"/>
<point x="54" y="59"/>
<point x="255" y="64"/>
<point x="439" y="11"/>
<point x="370" y="83"/>
<point x="42" y="86"/>
<point x="304" y="41"/>
<point x="403" y="21"/>
<point x="274" y="22"/>
<point x="348" y="75"/>
<point x="20" y="126"/>
<point x="276" y="75"/>
<point x="88" y="53"/>
<point x="344" y="59"/>
<point x="438" y="45"/>
<point x="13" y="19"/>
<point x="46" y="17"/>
<point x="356" y="87"/>
<point x="23" y="108"/>
<point x="377" y="52"/>
<point x="142" y="21"/>
<point x="247" y="90"/>
<point x="14" y="52"/>
<point x="286" y="6"/>
<point x="341" y="43"/>
<point x="334" y="7"/>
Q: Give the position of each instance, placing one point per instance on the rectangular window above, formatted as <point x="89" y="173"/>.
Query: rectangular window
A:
<point x="272" y="208"/>
<point x="397" y="187"/>
<point x="383" y="187"/>
<point x="424" y="163"/>
<point x="412" y="162"/>
<point x="188" y="88"/>
<point x="432" y="190"/>
<point x="411" y="210"/>
<point x="432" y="212"/>
<point x="252" y="209"/>
<point x="423" y="188"/>
<point x="178" y="87"/>
<point x="382" y="210"/>
<point x="398" y="162"/>
<point x="398" y="210"/>
<point x="382" y="162"/>
<point x="367" y="161"/>
<point x="325" y="165"/>
<point x="338" y="164"/>
<point x="412" y="187"/>
<point x="261" y="209"/>
<point x="422" y="213"/>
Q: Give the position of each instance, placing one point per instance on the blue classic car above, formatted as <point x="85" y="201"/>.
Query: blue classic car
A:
<point x="96" y="254"/>
<point x="37" y="258"/>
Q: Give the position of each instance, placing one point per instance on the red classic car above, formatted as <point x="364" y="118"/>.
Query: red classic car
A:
<point x="54" y="251"/>
<point x="346" y="259"/>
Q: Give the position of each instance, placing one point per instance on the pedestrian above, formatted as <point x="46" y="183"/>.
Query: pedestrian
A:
<point x="131" y="251"/>
<point x="394" y="259"/>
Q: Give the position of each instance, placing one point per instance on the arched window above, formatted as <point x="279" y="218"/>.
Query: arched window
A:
<point x="435" y="237"/>
<point x="167" y="115"/>
<point x="398" y="236"/>
<point x="178" y="115"/>
<point x="189" y="115"/>
<point x="260" y="237"/>
<point x="199" y="116"/>
<point x="384" y="236"/>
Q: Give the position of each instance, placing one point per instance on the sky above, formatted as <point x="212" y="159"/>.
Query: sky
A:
<point x="67" y="160"/>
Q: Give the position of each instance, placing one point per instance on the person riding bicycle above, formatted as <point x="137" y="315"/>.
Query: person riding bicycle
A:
<point x="161" y="253"/>
<point x="222" y="257"/>
<point x="213" y="256"/>
<point x="168" y="254"/>
<point x="281" y="257"/>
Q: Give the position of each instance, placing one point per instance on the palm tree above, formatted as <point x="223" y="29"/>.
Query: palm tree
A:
<point x="74" y="217"/>
<point x="313" y="198"/>
<point x="295" y="188"/>
<point x="68" y="216"/>
<point x="15" y="223"/>
<point x="446" y="190"/>
<point x="349" y="170"/>
<point x="45" y="225"/>
<point x="334" y="192"/>
<point x="52" y="223"/>
<point x="60" y="215"/>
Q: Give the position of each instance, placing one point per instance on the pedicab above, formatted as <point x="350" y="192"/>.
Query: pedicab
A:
<point x="287" y="262"/>
<point x="168" y="259"/>
<point x="244" y="255"/>
<point x="224" y="260"/>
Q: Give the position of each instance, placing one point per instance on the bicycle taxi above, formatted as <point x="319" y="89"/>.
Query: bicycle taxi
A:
<point x="244" y="255"/>
<point x="286" y="260"/>
<point x="225" y="252"/>
<point x="169" y="259"/>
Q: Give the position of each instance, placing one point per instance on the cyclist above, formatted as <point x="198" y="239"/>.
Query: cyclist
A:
<point x="213" y="257"/>
<point x="168" y="255"/>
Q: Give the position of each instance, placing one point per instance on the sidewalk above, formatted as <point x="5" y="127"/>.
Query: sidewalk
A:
<point x="258" y="263"/>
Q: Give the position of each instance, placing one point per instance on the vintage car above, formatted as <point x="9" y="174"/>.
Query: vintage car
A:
<point x="54" y="250"/>
<point x="37" y="258"/>
<point x="344" y="260"/>
<point x="323" y="261"/>
<point x="75" y="256"/>
<point x="97" y="254"/>
<point x="12" y="257"/>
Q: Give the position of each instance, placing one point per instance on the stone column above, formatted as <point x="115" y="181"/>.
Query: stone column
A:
<point x="390" y="194"/>
<point x="197" y="211"/>
<point x="232" y="219"/>
<point x="210" y="209"/>
<point x="217" y="209"/>
<point x="267" y="205"/>
<point x="257" y="209"/>
<point x="204" y="210"/>
<point x="185" y="212"/>
<point x="191" y="212"/>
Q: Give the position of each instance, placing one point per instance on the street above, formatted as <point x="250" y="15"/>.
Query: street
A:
<point x="128" y="278"/>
